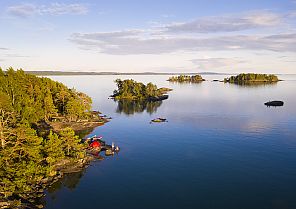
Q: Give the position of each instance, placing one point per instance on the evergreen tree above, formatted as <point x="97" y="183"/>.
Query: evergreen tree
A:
<point x="132" y="90"/>
<point x="21" y="163"/>
<point x="53" y="148"/>
<point x="71" y="143"/>
<point x="186" y="78"/>
<point x="251" y="77"/>
<point x="74" y="109"/>
<point x="6" y="118"/>
<point x="49" y="108"/>
<point x="1" y="72"/>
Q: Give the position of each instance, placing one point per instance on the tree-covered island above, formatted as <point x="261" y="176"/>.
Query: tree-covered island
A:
<point x="251" y="78"/>
<point x="186" y="79"/>
<point x="132" y="90"/>
<point x="33" y="153"/>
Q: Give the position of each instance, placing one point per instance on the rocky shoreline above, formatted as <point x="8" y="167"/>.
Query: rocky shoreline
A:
<point x="77" y="126"/>
<point x="34" y="199"/>
<point x="66" y="166"/>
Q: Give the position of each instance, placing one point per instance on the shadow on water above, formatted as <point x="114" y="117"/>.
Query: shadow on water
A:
<point x="84" y="133"/>
<point x="69" y="181"/>
<point x="129" y="107"/>
<point x="255" y="84"/>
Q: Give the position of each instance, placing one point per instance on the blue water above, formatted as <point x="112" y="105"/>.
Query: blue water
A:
<point x="221" y="149"/>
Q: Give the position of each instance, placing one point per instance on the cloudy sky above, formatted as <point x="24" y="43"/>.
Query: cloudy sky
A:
<point x="149" y="35"/>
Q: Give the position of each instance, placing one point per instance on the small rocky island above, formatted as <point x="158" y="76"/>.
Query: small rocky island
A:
<point x="132" y="90"/>
<point x="249" y="78"/>
<point x="186" y="79"/>
<point x="274" y="103"/>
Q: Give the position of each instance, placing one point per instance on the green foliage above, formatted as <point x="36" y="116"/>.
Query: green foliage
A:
<point x="78" y="106"/>
<point x="186" y="78"/>
<point x="132" y="90"/>
<point x="251" y="77"/>
<point x="72" y="145"/>
<point x="53" y="148"/>
<point x="35" y="98"/>
<point x="1" y="72"/>
<point x="49" y="108"/>
<point x="73" y="109"/>
<point x="25" y="157"/>
<point x="7" y="118"/>
<point x="21" y="162"/>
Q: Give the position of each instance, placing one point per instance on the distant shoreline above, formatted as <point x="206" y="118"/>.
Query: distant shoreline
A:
<point x="73" y="73"/>
<point x="117" y="73"/>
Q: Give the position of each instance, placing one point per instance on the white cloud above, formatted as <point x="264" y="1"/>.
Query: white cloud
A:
<point x="27" y="10"/>
<point x="184" y="36"/>
<point x="248" y="21"/>
<point x="110" y="35"/>
<point x="23" y="10"/>
<point x="61" y="9"/>
<point x="3" y="48"/>
<point x="137" y="42"/>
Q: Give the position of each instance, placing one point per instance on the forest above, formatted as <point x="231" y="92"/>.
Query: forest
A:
<point x="251" y="77"/>
<point x="132" y="90"/>
<point x="186" y="78"/>
<point x="28" y="156"/>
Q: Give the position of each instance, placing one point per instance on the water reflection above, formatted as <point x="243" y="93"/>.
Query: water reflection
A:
<point x="255" y="84"/>
<point x="84" y="133"/>
<point x="129" y="107"/>
<point x="69" y="181"/>
<point x="221" y="144"/>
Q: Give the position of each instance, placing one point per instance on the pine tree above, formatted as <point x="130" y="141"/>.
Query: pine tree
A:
<point x="21" y="162"/>
<point x="6" y="118"/>
<point x="49" y="108"/>
<point x="71" y="143"/>
<point x="74" y="109"/>
<point x="53" y="148"/>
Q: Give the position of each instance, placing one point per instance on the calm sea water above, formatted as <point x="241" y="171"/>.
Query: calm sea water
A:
<point x="221" y="149"/>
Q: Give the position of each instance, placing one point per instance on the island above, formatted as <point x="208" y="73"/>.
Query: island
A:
<point x="249" y="78"/>
<point x="132" y="90"/>
<point x="38" y="143"/>
<point x="274" y="103"/>
<point x="186" y="79"/>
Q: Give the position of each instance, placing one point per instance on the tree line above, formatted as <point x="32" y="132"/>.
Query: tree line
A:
<point x="252" y="77"/>
<point x="132" y="90"/>
<point x="186" y="78"/>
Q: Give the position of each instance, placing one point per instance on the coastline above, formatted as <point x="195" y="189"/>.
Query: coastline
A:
<point x="65" y="166"/>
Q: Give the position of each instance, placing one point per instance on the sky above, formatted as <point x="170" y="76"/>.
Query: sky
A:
<point x="226" y="36"/>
